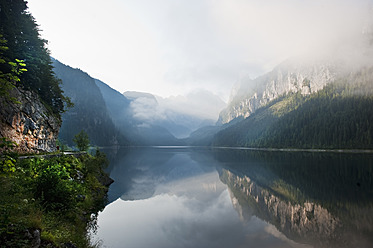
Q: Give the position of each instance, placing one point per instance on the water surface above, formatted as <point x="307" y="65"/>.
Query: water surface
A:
<point x="194" y="197"/>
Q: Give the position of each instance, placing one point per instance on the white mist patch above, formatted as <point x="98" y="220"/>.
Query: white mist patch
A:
<point x="199" y="103"/>
<point x="272" y="31"/>
<point x="180" y="115"/>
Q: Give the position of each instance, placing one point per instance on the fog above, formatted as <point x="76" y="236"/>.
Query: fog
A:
<point x="181" y="115"/>
<point x="169" y="47"/>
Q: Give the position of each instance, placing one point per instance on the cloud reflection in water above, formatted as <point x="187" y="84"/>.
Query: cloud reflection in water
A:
<point x="194" y="211"/>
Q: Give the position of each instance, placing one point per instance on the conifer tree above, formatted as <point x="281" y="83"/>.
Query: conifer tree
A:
<point x="21" y="32"/>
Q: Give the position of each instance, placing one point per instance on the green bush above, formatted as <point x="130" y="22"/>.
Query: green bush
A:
<point x="55" y="188"/>
<point x="55" y="195"/>
<point x="7" y="165"/>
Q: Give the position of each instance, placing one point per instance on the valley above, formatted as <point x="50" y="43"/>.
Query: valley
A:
<point x="290" y="107"/>
<point x="186" y="124"/>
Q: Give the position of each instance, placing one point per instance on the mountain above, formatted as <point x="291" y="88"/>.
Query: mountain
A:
<point x="180" y="115"/>
<point x="116" y="103"/>
<point x="118" y="109"/>
<point x="291" y="76"/>
<point x="203" y="136"/>
<point x="318" y="100"/>
<point x="196" y="109"/>
<point x="337" y="116"/>
<point x="89" y="113"/>
<point x="136" y="118"/>
<point x="152" y="123"/>
<point x="126" y="118"/>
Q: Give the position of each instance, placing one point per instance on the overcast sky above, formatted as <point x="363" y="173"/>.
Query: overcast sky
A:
<point x="172" y="47"/>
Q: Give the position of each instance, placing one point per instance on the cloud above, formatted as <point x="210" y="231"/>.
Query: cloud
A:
<point x="198" y="103"/>
<point x="210" y="43"/>
<point x="169" y="47"/>
<point x="146" y="110"/>
<point x="181" y="115"/>
<point x="271" y="31"/>
<point x="192" y="52"/>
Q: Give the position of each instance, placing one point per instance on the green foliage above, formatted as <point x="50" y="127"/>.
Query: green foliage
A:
<point x="82" y="141"/>
<point x="54" y="187"/>
<point x="56" y="195"/>
<point x="339" y="116"/>
<point x="20" y="45"/>
<point x="6" y="143"/>
<point x="9" y="77"/>
<point x="7" y="162"/>
<point x="7" y="165"/>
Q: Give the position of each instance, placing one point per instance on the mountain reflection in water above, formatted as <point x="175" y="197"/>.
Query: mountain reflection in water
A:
<point x="189" y="197"/>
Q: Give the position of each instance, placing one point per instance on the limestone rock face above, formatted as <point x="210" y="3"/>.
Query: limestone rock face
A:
<point x="249" y="95"/>
<point x="28" y="123"/>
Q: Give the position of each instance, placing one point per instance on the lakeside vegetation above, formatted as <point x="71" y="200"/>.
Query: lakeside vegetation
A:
<point x="51" y="202"/>
<point x="45" y="201"/>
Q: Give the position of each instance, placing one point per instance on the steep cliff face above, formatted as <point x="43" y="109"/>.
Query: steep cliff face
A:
<point x="28" y="123"/>
<point x="291" y="76"/>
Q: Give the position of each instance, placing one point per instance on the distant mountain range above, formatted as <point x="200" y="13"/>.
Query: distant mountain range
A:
<point x="320" y="100"/>
<point x="132" y="118"/>
<point x="299" y="104"/>
<point x="290" y="76"/>
<point x="338" y="116"/>
<point x="180" y="115"/>
<point x="319" y="106"/>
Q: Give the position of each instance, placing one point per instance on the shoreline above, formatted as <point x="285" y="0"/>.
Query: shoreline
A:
<point x="365" y="151"/>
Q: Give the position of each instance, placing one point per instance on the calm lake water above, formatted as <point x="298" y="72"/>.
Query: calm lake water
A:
<point x="195" y="197"/>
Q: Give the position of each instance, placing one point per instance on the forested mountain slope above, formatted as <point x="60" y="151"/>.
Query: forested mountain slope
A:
<point x="338" y="116"/>
<point x="294" y="75"/>
<point x="89" y="112"/>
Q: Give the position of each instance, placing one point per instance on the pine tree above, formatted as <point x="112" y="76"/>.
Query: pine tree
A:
<point x="20" y="30"/>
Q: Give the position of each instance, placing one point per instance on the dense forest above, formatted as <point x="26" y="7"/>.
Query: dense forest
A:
<point x="23" y="50"/>
<point x="338" y="116"/>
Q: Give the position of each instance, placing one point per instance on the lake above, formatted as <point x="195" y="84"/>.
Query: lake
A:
<point x="202" y="197"/>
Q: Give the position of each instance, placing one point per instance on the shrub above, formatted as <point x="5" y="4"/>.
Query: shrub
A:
<point x="54" y="188"/>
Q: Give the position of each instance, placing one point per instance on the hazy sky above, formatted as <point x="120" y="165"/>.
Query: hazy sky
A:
<point x="170" y="47"/>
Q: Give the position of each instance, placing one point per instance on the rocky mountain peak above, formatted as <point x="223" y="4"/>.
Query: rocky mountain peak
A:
<point x="291" y="76"/>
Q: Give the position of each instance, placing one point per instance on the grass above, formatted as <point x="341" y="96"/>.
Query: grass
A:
<point x="55" y="196"/>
